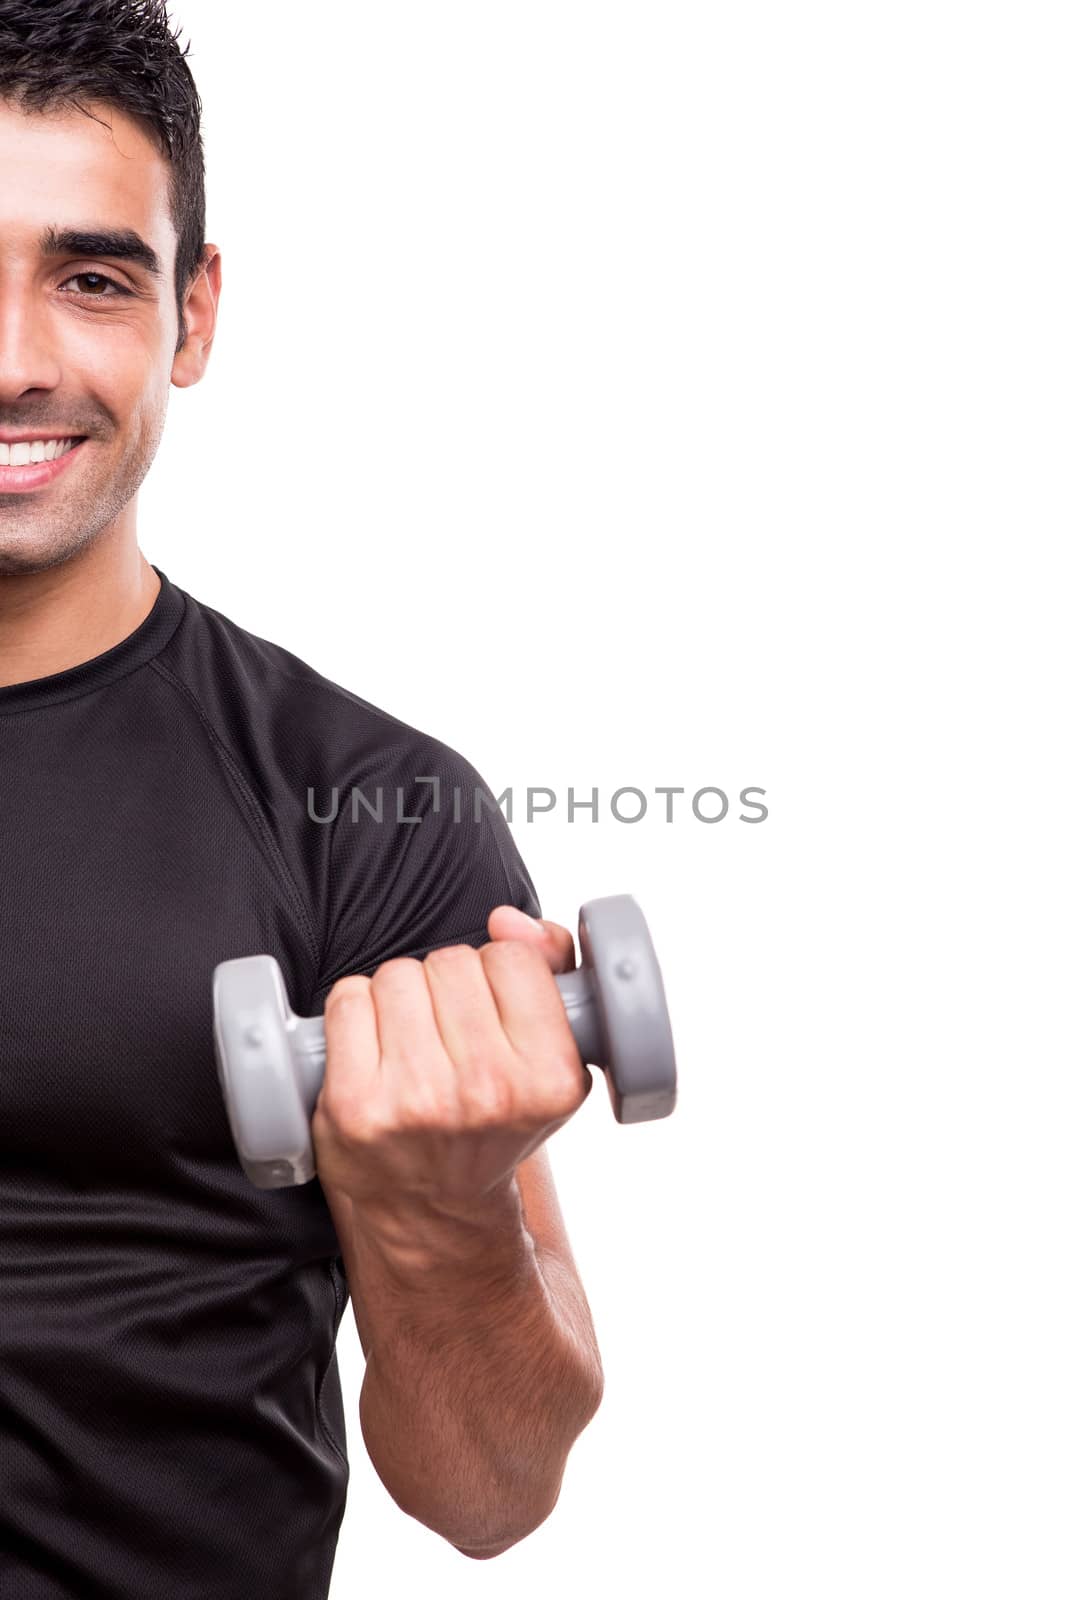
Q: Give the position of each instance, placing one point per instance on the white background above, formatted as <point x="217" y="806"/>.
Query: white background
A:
<point x="651" y="394"/>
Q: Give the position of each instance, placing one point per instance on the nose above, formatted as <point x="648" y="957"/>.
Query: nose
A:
<point x="29" y="360"/>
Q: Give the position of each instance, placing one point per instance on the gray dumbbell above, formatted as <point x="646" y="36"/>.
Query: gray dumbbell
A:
<point x="271" y="1063"/>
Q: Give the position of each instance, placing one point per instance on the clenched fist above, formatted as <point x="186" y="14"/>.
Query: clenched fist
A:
<point x="443" y="1074"/>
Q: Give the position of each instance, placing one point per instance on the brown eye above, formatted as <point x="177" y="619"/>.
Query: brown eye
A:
<point x="99" y="284"/>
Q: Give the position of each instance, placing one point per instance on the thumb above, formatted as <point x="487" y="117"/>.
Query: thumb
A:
<point x="508" y="922"/>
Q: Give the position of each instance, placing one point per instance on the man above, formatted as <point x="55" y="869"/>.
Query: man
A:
<point x="170" y="1404"/>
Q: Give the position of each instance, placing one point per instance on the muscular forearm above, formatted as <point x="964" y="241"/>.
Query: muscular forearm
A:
<point x="482" y="1367"/>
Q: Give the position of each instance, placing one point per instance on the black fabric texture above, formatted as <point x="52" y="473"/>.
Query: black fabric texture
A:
<point x="171" y="1418"/>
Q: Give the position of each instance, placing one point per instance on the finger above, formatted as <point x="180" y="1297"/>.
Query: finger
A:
<point x="418" y="1081"/>
<point x="407" y="1026"/>
<point x="508" y="922"/>
<point x="353" y="1053"/>
<point x="470" y="1027"/>
<point x="534" y="1018"/>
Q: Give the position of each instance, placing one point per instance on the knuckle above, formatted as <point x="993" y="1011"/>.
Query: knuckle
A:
<point x="351" y="987"/>
<point x="481" y="1057"/>
<point x="455" y="957"/>
<point x="350" y="1122"/>
<point x="564" y="1079"/>
<point x="397" y="970"/>
<point x="507" y="949"/>
<point x="512" y="954"/>
<point x="333" y="1108"/>
<point x="366" y="1125"/>
<point x="487" y="1080"/>
<point x="488" y="1099"/>
<point x="421" y="1108"/>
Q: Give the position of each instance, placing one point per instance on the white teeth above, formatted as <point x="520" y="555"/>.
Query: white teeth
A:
<point x="29" y="451"/>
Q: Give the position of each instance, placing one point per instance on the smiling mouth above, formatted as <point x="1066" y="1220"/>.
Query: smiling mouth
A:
<point x="20" y="474"/>
<point x="32" y="452"/>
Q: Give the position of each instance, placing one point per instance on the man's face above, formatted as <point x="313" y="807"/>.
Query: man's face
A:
<point x="87" y="340"/>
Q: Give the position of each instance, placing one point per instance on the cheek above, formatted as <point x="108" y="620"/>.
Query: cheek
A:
<point x="150" y="413"/>
<point x="142" y="413"/>
<point x="109" y="353"/>
<point x="125" y="369"/>
<point x="125" y="366"/>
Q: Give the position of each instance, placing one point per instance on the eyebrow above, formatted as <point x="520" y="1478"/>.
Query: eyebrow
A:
<point x="123" y="244"/>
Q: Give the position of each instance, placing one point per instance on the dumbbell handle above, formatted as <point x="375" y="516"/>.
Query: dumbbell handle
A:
<point x="576" y="990"/>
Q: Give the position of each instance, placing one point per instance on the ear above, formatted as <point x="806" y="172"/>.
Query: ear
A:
<point x="201" y="311"/>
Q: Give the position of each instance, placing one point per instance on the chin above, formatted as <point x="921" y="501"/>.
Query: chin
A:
<point x="23" y="555"/>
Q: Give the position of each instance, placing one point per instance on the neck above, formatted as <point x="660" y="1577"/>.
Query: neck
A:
<point x="56" y="619"/>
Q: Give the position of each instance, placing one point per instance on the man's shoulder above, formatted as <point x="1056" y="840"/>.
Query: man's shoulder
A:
<point x="260" y="696"/>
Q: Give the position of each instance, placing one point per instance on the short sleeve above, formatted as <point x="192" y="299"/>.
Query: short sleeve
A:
<point x="420" y="853"/>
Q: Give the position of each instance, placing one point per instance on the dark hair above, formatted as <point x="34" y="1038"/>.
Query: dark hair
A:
<point x="54" y="53"/>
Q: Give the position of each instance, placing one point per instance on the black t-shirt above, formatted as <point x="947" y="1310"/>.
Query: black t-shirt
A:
<point x="171" y="1420"/>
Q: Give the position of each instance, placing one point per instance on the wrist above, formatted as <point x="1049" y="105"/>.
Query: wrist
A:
<point x="419" y="1240"/>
